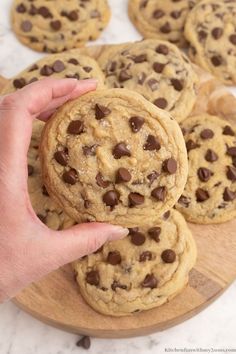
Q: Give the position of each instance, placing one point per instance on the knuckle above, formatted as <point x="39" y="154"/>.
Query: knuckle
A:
<point x="7" y="101"/>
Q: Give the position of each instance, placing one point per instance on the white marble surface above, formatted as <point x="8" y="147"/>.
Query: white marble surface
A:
<point x="21" y="334"/>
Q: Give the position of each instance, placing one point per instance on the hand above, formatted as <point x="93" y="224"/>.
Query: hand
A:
<point x="28" y="249"/>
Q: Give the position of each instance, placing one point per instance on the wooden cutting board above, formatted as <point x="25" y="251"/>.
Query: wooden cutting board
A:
<point x="56" y="300"/>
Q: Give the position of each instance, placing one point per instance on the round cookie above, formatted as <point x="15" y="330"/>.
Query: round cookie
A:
<point x="210" y="192"/>
<point x="45" y="208"/>
<point x="112" y="156"/>
<point x="210" y="29"/>
<point x="70" y="64"/>
<point x="146" y="269"/>
<point x="161" y="19"/>
<point x="55" y="26"/>
<point x="156" y="69"/>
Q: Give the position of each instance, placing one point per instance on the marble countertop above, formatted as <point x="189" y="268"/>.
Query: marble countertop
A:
<point x="21" y="334"/>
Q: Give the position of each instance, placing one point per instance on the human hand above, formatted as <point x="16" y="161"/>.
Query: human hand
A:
<point x="28" y="249"/>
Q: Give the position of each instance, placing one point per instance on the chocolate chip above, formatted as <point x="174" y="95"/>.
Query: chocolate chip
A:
<point x="228" y="131"/>
<point x="162" y="49"/>
<point x="231" y="173"/>
<point x="61" y="157"/>
<point x="120" y="150"/>
<point x="217" y="32"/>
<point x="55" y="25"/>
<point x="145" y="256"/>
<point x="153" y="84"/>
<point x="216" y="60"/>
<point x="166" y="215"/>
<point x="177" y="84"/>
<point x="84" y="342"/>
<point x="30" y="170"/>
<point x="19" y="83"/>
<point x="21" y="8"/>
<point x="153" y="176"/>
<point x="202" y="195"/>
<point x="111" y="198"/>
<point x="42" y="218"/>
<point x="184" y="201"/>
<point x="26" y="26"/>
<point x="158" y="14"/>
<point x="140" y="58"/>
<point x="175" y="14"/>
<point x="166" y="28"/>
<point x="159" y="193"/>
<point x="116" y="285"/>
<point x="101" y="111"/>
<point x="101" y="182"/>
<point x="207" y="134"/>
<point x="191" y="145"/>
<point x="170" y="166"/>
<point x="87" y="204"/>
<point x="202" y="35"/>
<point x="141" y="78"/>
<point x="124" y="76"/>
<point x="137" y="238"/>
<point x="232" y="39"/>
<point x="58" y="66"/>
<point x="161" y="102"/>
<point x="114" y="258"/>
<point x="152" y="143"/>
<point x="150" y="281"/>
<point x="211" y="156"/>
<point x="87" y="69"/>
<point x="44" y="191"/>
<point x="135" y="199"/>
<point x="234" y="161"/>
<point x="231" y="151"/>
<point x="133" y="230"/>
<point x="158" y="67"/>
<point x="44" y="12"/>
<point x="123" y="175"/>
<point x="136" y="123"/>
<point x="93" y="277"/>
<point x="73" y="15"/>
<point x="204" y="174"/>
<point x="70" y="176"/>
<point x="95" y="14"/>
<point x="168" y="256"/>
<point x="33" y="10"/>
<point x="229" y="195"/>
<point x="75" y="127"/>
<point x="90" y="150"/>
<point x="154" y="233"/>
<point x="73" y="61"/>
<point x="46" y="70"/>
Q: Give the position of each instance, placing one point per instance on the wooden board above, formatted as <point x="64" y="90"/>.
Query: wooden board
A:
<point x="56" y="301"/>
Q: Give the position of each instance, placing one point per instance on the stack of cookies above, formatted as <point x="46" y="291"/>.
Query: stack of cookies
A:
<point x="130" y="153"/>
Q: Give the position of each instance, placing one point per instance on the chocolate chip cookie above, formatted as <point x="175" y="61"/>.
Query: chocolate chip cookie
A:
<point x="156" y="69"/>
<point x="113" y="156"/>
<point x="161" y="19"/>
<point x="144" y="270"/>
<point x="45" y="208"/>
<point x="210" y="192"/>
<point x="55" y="26"/>
<point x="70" y="64"/>
<point x="211" y="31"/>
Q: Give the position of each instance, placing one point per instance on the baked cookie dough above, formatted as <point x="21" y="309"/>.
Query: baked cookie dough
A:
<point x="70" y="64"/>
<point x="112" y="156"/>
<point x="211" y="31"/>
<point x="156" y="69"/>
<point x="146" y="269"/>
<point x="161" y="19"/>
<point x="45" y="208"/>
<point x="55" y="26"/>
<point x="210" y="193"/>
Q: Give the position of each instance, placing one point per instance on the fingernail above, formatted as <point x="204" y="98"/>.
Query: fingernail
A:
<point x="88" y="81"/>
<point x="118" y="232"/>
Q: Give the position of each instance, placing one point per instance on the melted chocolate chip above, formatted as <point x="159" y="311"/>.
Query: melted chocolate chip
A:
<point x="150" y="281"/>
<point x="168" y="256"/>
<point x="211" y="156"/>
<point x="123" y="175"/>
<point x="121" y="150"/>
<point x="70" y="176"/>
<point x="145" y="256"/>
<point x="114" y="258"/>
<point x="154" y="233"/>
<point x="136" y="123"/>
<point x="101" y="111"/>
<point x="159" y="193"/>
<point x="100" y="181"/>
<point x="207" y="134"/>
<point x="137" y="238"/>
<point x="204" y="174"/>
<point x="111" y="198"/>
<point x="135" y="199"/>
<point x="231" y="173"/>
<point x="30" y="170"/>
<point x="202" y="195"/>
<point x="93" y="277"/>
<point x="170" y="166"/>
<point x="61" y="157"/>
<point x="161" y="102"/>
<point x="75" y="127"/>
<point x="152" y="143"/>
